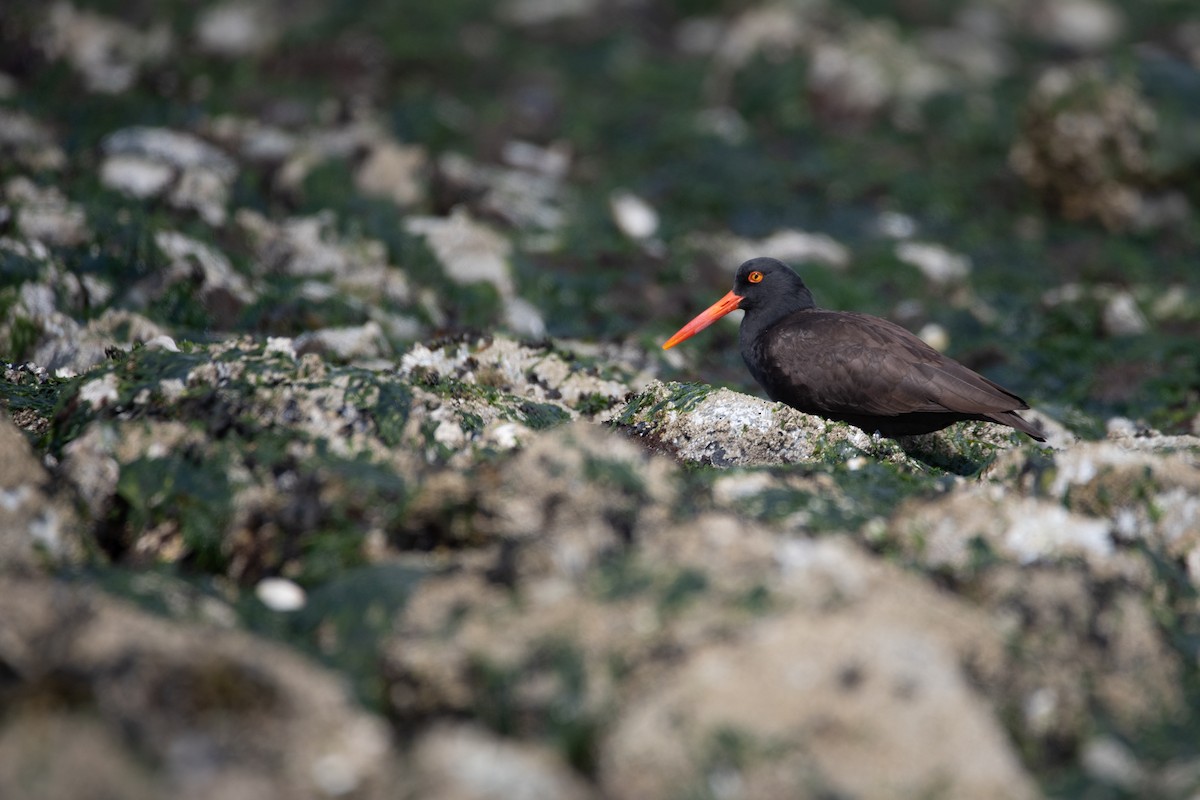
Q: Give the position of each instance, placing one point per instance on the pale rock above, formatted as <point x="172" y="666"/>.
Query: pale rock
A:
<point x="174" y="148"/>
<point x="203" y="191"/>
<point x="895" y="225"/>
<point x="281" y="345"/>
<point x="394" y="171"/>
<point x="789" y="245"/>
<point x="45" y="214"/>
<point x="635" y="217"/>
<point x="237" y="29"/>
<point x="542" y="12"/>
<point x="30" y="143"/>
<point x="938" y="264"/>
<point x="162" y="342"/>
<point x="469" y="251"/>
<point x="346" y="343"/>
<point x="280" y="594"/>
<point x="1086" y="25"/>
<point x="935" y="336"/>
<point x="1122" y="317"/>
<point x="1108" y="760"/>
<point x="468" y="763"/>
<point x="106" y="52"/>
<point x="816" y="693"/>
<point x="100" y="392"/>
<point x="794" y="246"/>
<point x="136" y="176"/>
<point x="523" y="318"/>
<point x="145" y="161"/>
<point x="220" y="285"/>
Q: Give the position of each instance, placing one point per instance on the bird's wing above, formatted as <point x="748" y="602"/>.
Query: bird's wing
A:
<point x="855" y="363"/>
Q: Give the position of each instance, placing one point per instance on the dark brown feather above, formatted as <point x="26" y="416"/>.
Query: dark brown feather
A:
<point x="874" y="374"/>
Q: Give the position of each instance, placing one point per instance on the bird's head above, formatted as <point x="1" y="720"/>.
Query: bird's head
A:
<point x="760" y="283"/>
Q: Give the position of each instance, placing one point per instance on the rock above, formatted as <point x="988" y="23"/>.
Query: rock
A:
<point x="868" y="68"/>
<point x="136" y="176"/>
<point x="35" y="524"/>
<point x="935" y="336"/>
<point x="948" y="534"/>
<point x="355" y="268"/>
<point x="280" y="594"/>
<point x="553" y="161"/>
<point x="724" y="428"/>
<point x="77" y="349"/>
<point x="466" y="763"/>
<point x="45" y="214"/>
<point x="977" y="54"/>
<point x="1109" y="761"/>
<point x="179" y="150"/>
<point x="60" y="755"/>
<point x="1147" y="498"/>
<point x="28" y="142"/>
<point x="174" y="707"/>
<point x="144" y="162"/>
<point x="773" y="31"/>
<point x="1087" y="146"/>
<point x="794" y="705"/>
<point x="162" y="343"/>
<point x="311" y="247"/>
<point x="789" y="246"/>
<point x="100" y="392"/>
<point x="307" y="150"/>
<point x="935" y="262"/>
<point x="238" y="28"/>
<point x="799" y="246"/>
<point x="471" y="252"/>
<point x="108" y="54"/>
<point x="90" y="467"/>
<point x="541" y="12"/>
<point x="635" y="218"/>
<point x="530" y="194"/>
<point x="346" y="344"/>
<point x="1083" y="25"/>
<point x="1078" y="644"/>
<point x="395" y="172"/>
<point x="1122" y="317"/>
<point x="895" y="225"/>
<point x="203" y="191"/>
<point x="561" y="517"/>
<point x="223" y="291"/>
<point x="564" y="373"/>
<point x="253" y="140"/>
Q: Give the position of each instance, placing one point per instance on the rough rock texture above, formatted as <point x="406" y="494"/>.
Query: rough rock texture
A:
<point x="796" y="705"/>
<point x="34" y="523"/>
<point x="463" y="763"/>
<point x="339" y="457"/>
<point x="724" y="428"/>
<point x="1088" y="145"/>
<point x="159" y="708"/>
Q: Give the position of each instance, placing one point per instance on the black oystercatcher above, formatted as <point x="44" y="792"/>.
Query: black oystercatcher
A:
<point x="847" y="366"/>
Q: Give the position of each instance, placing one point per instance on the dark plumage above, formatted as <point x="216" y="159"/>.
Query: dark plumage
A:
<point x="851" y="367"/>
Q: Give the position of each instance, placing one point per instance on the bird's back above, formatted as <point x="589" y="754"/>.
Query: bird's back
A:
<point x="868" y="371"/>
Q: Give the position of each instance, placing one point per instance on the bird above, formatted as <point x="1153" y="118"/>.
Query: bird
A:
<point x="850" y="367"/>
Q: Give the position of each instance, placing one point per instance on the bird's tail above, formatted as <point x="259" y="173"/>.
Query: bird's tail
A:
<point x="1015" y="420"/>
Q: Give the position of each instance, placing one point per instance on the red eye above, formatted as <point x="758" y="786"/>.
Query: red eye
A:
<point x="755" y="277"/>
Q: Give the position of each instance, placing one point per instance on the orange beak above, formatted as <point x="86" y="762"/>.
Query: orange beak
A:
<point x="707" y="317"/>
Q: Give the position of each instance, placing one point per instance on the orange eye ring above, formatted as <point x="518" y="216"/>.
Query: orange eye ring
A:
<point x="755" y="277"/>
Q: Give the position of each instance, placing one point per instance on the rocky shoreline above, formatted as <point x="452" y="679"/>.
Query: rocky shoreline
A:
<point x="559" y="578"/>
<point x="279" y="519"/>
